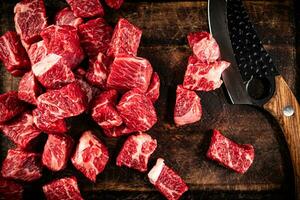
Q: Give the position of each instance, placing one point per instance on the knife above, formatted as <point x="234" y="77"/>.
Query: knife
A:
<point x="252" y="78"/>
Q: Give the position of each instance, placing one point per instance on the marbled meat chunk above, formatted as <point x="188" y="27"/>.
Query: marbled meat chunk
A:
<point x="37" y="52"/>
<point x="115" y="4"/>
<point x="154" y="87"/>
<point x="67" y="17"/>
<point x="29" y="88"/>
<point x="86" y="8"/>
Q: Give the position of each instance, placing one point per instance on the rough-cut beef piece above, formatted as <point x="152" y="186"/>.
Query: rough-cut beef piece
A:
<point x="166" y="181"/>
<point x="87" y="89"/>
<point x="104" y="111"/>
<point x="188" y="107"/>
<point x="137" y="111"/>
<point x="30" y="19"/>
<point x="202" y="76"/>
<point x="115" y="4"/>
<point x="153" y="90"/>
<point x="21" y="165"/>
<point x="9" y="190"/>
<point x="128" y="72"/>
<point x="37" y="52"/>
<point x="204" y="46"/>
<point x="10" y="106"/>
<point x="64" y="41"/>
<point x="57" y="152"/>
<point x="62" y="189"/>
<point x="125" y="40"/>
<point x="91" y="156"/>
<point x="29" y="89"/>
<point x="86" y="8"/>
<point x="66" y="102"/>
<point x="95" y="36"/>
<point x="67" y="17"/>
<point x="117" y="131"/>
<point x="237" y="157"/>
<point x="136" y="152"/>
<point x="21" y="130"/>
<point x="52" y="73"/>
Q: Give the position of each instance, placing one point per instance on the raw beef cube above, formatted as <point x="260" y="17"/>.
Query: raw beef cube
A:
<point x="117" y="131"/>
<point x="64" y="189"/>
<point x="57" y="152"/>
<point x="10" y="190"/>
<point x="237" y="157"/>
<point x="29" y="89"/>
<point x="52" y="73"/>
<point x="30" y="19"/>
<point x="37" y="52"/>
<point x="137" y="111"/>
<point x="48" y="123"/>
<point x="204" y="46"/>
<point x="66" y="102"/>
<point x="21" y="130"/>
<point x="10" y="106"/>
<point x="202" y="76"/>
<point x="67" y="17"/>
<point x="104" y="111"/>
<point x="87" y="89"/>
<point x="129" y="72"/>
<point x="115" y="4"/>
<point x="12" y="53"/>
<point x="125" y="40"/>
<point x="21" y="165"/>
<point x="136" y="152"/>
<point x="64" y="41"/>
<point x="95" y="36"/>
<point x="91" y="156"/>
<point x="153" y="90"/>
<point x="188" y="108"/>
<point x="167" y="181"/>
<point x="86" y="8"/>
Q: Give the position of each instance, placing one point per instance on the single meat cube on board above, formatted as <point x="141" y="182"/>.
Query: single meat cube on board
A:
<point x="86" y="8"/>
<point x="115" y="4"/>
<point x="202" y="76"/>
<point x="153" y="90"/>
<point x="91" y="156"/>
<point x="10" y="106"/>
<point x="118" y="131"/>
<point x="204" y="46"/>
<point x="9" y="190"/>
<point x="188" y="107"/>
<point x="57" y="152"/>
<point x="21" y="165"/>
<point x="67" y="17"/>
<point x="37" y="52"/>
<point x="237" y="157"/>
<point x="128" y="72"/>
<point x="136" y="152"/>
<point x="166" y="181"/>
<point x="125" y="40"/>
<point x="62" y="189"/>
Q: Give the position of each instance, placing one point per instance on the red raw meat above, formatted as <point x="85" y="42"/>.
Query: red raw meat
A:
<point x="167" y="181"/>
<point x="62" y="189"/>
<point x="29" y="89"/>
<point x="115" y="4"/>
<point x="117" y="131"/>
<point x="153" y="90"/>
<point x="137" y="111"/>
<point x="104" y="111"/>
<point x="66" y="102"/>
<point x="237" y="157"/>
<point x="80" y="72"/>
<point x="87" y="89"/>
<point x="9" y="190"/>
<point x="125" y="40"/>
<point x="128" y="72"/>
<point x="37" y="52"/>
<point x="57" y="152"/>
<point x="21" y="130"/>
<point x="64" y="41"/>
<point x="10" y="106"/>
<point x="204" y="46"/>
<point x="67" y="17"/>
<point x="86" y="8"/>
<point x="91" y="156"/>
<point x="95" y="36"/>
<point x="136" y="151"/>
<point x="21" y="165"/>
<point x="52" y="73"/>
<point x="30" y="19"/>
<point x="202" y="76"/>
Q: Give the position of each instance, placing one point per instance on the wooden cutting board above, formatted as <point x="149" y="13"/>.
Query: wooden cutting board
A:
<point x="165" y="26"/>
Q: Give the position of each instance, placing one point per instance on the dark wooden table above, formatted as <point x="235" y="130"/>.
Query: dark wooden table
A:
<point x="165" y="26"/>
